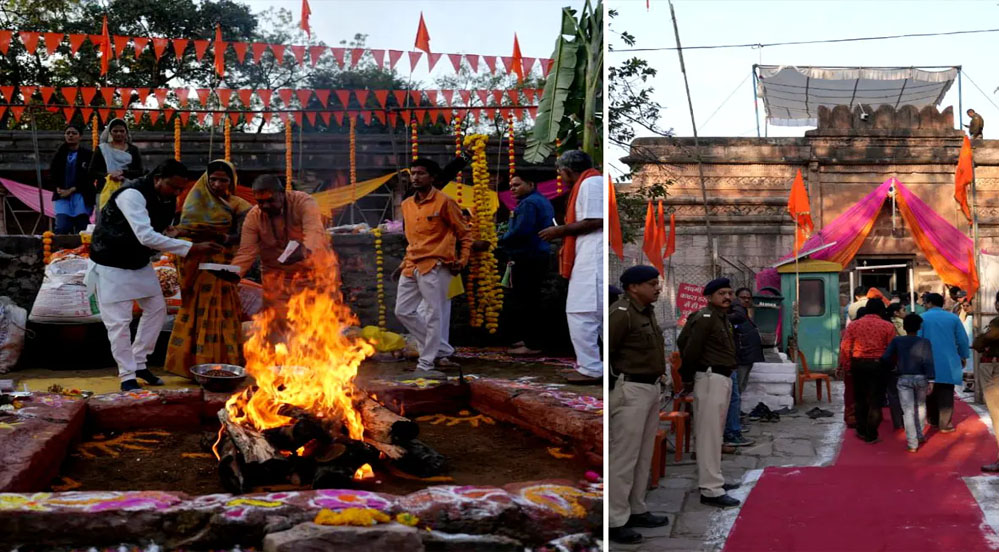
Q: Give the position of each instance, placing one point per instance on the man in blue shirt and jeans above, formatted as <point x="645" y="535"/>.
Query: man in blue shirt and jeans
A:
<point x="531" y="258"/>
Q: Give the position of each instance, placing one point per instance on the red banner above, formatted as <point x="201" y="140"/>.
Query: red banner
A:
<point x="689" y="299"/>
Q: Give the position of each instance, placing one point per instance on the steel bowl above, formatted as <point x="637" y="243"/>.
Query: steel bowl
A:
<point x="218" y="383"/>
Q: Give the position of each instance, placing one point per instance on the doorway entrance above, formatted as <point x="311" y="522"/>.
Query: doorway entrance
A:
<point x="889" y="274"/>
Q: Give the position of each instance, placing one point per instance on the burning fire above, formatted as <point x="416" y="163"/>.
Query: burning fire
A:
<point x="313" y="365"/>
<point x="364" y="472"/>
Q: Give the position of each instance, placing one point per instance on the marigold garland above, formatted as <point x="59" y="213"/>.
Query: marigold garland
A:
<point x="176" y="138"/>
<point x="413" y="139"/>
<point x="351" y="516"/>
<point x="228" y="138"/>
<point x="287" y="155"/>
<point x="95" y="134"/>
<point x="47" y="246"/>
<point x="488" y="293"/>
<point x="558" y="175"/>
<point x="379" y="277"/>
<point x="509" y="127"/>
<point x="457" y="153"/>
<point x="407" y="519"/>
<point x="353" y="155"/>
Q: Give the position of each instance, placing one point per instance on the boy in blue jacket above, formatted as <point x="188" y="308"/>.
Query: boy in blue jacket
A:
<point x="912" y="357"/>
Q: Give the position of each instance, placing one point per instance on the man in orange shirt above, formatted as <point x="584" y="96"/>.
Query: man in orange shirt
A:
<point x="440" y="241"/>
<point x="860" y="350"/>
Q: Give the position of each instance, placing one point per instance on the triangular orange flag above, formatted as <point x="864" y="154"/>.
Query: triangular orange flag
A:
<point x="671" y="239"/>
<point x="219" y="48"/>
<point x="306" y="12"/>
<point x="963" y="176"/>
<point x="650" y="241"/>
<point x="797" y="207"/>
<point x="972" y="286"/>
<point x="518" y="60"/>
<point x="616" y="240"/>
<point x="422" y="36"/>
<point x="105" y="47"/>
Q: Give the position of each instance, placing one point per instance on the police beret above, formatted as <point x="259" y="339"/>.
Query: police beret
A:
<point x="639" y="274"/>
<point x="716" y="284"/>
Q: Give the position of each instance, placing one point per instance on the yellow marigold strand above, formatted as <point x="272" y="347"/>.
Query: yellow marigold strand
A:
<point x="176" y="138"/>
<point x="413" y="139"/>
<point x="489" y="298"/>
<point x="47" y="246"/>
<point x="558" y="175"/>
<point x="287" y="155"/>
<point x="95" y="134"/>
<point x="509" y="127"/>
<point x="228" y="138"/>
<point x="353" y="155"/>
<point x="379" y="275"/>
<point x="457" y="153"/>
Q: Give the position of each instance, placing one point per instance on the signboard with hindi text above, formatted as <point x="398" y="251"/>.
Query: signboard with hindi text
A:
<point x="689" y="299"/>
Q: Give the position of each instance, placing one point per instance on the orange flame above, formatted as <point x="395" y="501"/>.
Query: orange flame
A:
<point x="364" y="472"/>
<point x="314" y="365"/>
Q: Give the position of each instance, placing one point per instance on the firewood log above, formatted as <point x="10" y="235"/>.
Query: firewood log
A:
<point x="385" y="426"/>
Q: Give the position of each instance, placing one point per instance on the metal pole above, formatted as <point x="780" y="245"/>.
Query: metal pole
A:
<point x="960" y="104"/>
<point x="693" y="126"/>
<point x="38" y="172"/>
<point x="756" y="103"/>
<point x="977" y="315"/>
<point x="912" y="290"/>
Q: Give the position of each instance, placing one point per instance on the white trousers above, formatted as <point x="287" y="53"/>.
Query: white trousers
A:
<point x="446" y="349"/>
<point x="117" y="316"/>
<point x="586" y="330"/>
<point x="634" y="420"/>
<point x="430" y="288"/>
<point x="712" y="393"/>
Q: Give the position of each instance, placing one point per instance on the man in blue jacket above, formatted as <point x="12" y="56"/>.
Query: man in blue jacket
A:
<point x="531" y="258"/>
<point x="950" y="353"/>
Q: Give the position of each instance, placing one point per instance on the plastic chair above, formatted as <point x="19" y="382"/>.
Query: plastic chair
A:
<point x="681" y="403"/>
<point x="679" y="426"/>
<point x="805" y="376"/>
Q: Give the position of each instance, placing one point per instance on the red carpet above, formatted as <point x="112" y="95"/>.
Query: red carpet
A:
<point x="875" y="497"/>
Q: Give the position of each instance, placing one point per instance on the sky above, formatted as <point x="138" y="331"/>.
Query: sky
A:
<point x="720" y="74"/>
<point x="455" y="26"/>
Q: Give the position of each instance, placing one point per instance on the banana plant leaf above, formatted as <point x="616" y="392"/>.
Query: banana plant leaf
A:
<point x="551" y="110"/>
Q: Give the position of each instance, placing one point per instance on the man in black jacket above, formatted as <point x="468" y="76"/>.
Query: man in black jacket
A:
<point x="134" y="225"/>
<point x="748" y="349"/>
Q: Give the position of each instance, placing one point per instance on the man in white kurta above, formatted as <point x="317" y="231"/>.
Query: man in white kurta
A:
<point x="127" y="235"/>
<point x="581" y="260"/>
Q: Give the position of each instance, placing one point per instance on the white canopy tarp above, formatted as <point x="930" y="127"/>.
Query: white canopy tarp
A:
<point x="792" y="95"/>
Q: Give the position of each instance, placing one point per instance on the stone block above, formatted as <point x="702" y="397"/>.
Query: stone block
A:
<point x="463" y="509"/>
<point x="413" y="401"/>
<point x="309" y="537"/>
<point x="666" y="500"/>
<point x="211" y="404"/>
<point x="772" y="377"/>
<point x="167" y="408"/>
<point x="794" y="447"/>
<point x="552" y="508"/>
<point x="36" y="439"/>
<point x="695" y="523"/>
<point x="436" y="541"/>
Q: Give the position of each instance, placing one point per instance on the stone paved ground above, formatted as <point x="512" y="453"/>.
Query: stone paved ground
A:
<point x="796" y="440"/>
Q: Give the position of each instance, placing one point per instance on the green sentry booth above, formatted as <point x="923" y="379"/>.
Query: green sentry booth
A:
<point x="819" y="311"/>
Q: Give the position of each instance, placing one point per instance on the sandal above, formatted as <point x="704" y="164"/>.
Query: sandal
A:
<point x="446" y="363"/>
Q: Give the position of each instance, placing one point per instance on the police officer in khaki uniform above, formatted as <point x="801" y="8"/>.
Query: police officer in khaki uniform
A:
<point x="638" y="370"/>
<point x="707" y="346"/>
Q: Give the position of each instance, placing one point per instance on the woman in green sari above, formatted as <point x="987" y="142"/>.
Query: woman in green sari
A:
<point x="207" y="329"/>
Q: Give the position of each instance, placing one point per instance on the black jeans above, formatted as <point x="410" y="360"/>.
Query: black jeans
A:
<point x="940" y="406"/>
<point x="528" y="276"/>
<point x="894" y="404"/>
<point x="869" y="383"/>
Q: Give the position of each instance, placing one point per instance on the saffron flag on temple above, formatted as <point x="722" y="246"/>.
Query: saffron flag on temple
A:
<point x="422" y="36"/>
<point x="105" y="47"/>
<point x="660" y="228"/>
<point x="616" y="240"/>
<point x="671" y="240"/>
<point x="963" y="176"/>
<point x="219" y="48"/>
<point x="797" y="207"/>
<point x="973" y="284"/>
<point x="650" y="239"/>
<point x="518" y="60"/>
<point x="306" y="12"/>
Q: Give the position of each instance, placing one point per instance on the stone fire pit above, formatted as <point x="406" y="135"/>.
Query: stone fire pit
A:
<point x="37" y="438"/>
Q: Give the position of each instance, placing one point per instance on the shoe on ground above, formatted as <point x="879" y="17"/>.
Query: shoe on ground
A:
<point x="445" y="363"/>
<point x="130" y="385"/>
<point x="149" y="377"/>
<point x="581" y="379"/>
<point x="723" y="501"/>
<point x="913" y="449"/>
<point x="517" y="344"/>
<point x="429" y="374"/>
<point x="872" y="440"/>
<point x="947" y="430"/>
<point x="991" y="468"/>
<point x="523" y="351"/>
<point x="726" y="449"/>
<point x="731" y="486"/>
<point x="625" y="535"/>
<point x="739" y="441"/>
<point x="647" y="520"/>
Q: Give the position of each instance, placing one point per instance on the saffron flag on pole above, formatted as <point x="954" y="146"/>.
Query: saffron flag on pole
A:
<point x="306" y="12"/>
<point x="963" y="176"/>
<point x="422" y="36"/>
<point x="616" y="239"/>
<point x="105" y="47"/>
<point x="660" y="228"/>
<point x="518" y="60"/>
<point x="219" y="48"/>
<point x="671" y="240"/>
<point x="650" y="239"/>
<point x="797" y="207"/>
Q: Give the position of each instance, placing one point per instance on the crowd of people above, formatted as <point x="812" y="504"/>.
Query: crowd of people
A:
<point x="137" y="219"/>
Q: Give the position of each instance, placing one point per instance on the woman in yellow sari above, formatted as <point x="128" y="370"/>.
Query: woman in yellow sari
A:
<point x="207" y="328"/>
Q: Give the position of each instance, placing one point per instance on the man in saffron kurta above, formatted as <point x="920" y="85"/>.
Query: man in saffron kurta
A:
<point x="439" y="244"/>
<point x="581" y="260"/>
